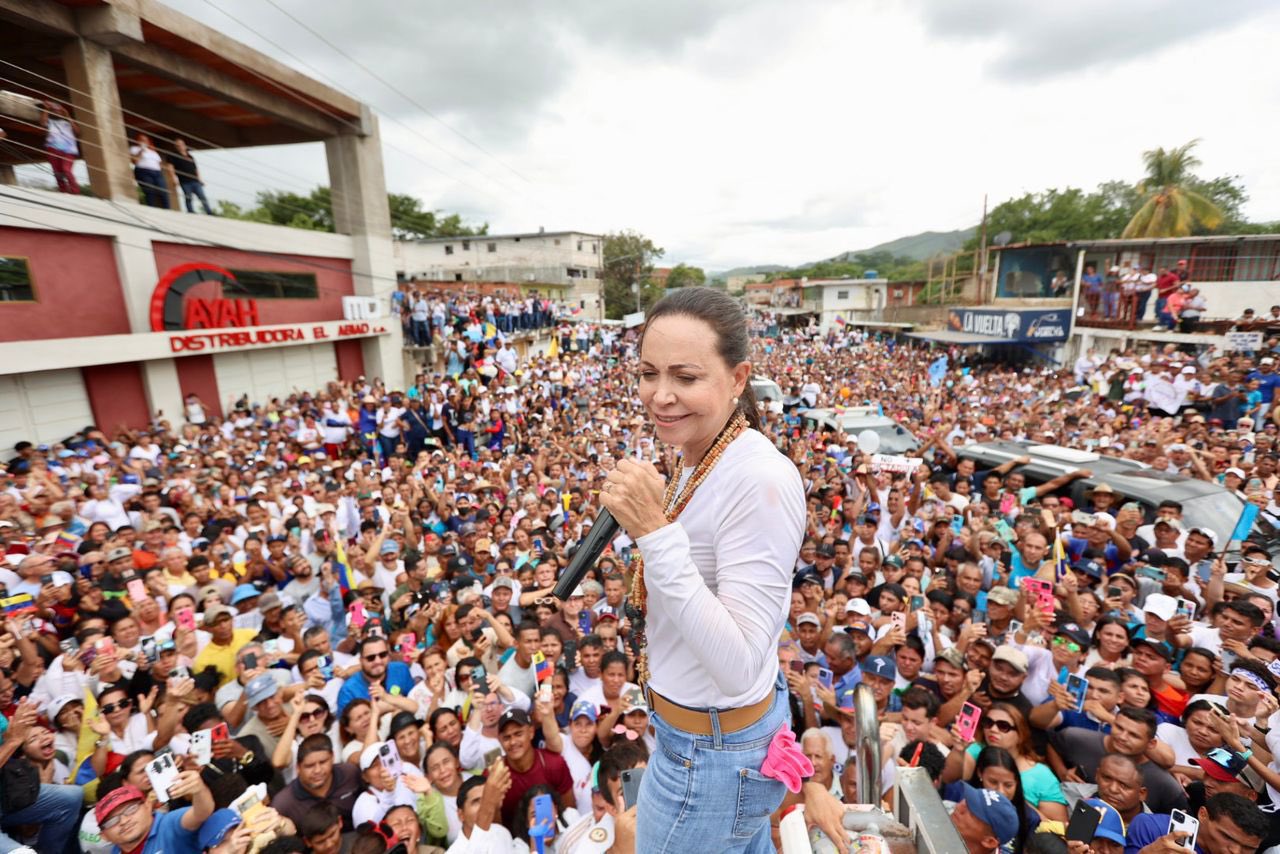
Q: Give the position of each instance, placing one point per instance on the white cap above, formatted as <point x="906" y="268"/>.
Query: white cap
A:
<point x="1237" y="472"/>
<point x="1189" y="370"/>
<point x="1161" y="605"/>
<point x="1267" y="360"/>
<point x="58" y="703"/>
<point x="369" y="755"/>
<point x="858" y="606"/>
<point x="62" y="579"/>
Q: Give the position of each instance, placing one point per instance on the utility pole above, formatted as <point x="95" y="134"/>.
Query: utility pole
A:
<point x="982" y="256"/>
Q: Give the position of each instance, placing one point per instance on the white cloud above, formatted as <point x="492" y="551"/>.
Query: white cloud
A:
<point x="782" y="132"/>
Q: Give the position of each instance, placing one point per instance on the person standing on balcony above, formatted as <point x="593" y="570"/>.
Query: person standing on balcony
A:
<point x="1145" y="285"/>
<point x="1092" y="283"/>
<point x="146" y="171"/>
<point x="188" y="175"/>
<point x="60" y="145"/>
<point x="1192" y="310"/>
<point x="1166" y="284"/>
<point x="420" y="321"/>
<point x="1111" y="294"/>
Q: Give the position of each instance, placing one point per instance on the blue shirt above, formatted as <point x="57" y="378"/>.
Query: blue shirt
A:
<point x="1267" y="383"/>
<point x="1147" y="828"/>
<point x="1019" y="570"/>
<point x="398" y="682"/>
<point x="168" y="836"/>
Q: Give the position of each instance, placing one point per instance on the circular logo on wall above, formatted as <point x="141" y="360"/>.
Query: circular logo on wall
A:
<point x="168" y="300"/>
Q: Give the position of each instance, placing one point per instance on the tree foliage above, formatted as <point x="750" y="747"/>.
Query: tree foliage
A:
<point x="1170" y="207"/>
<point x="685" y="276"/>
<point x="314" y="211"/>
<point x="885" y="264"/>
<point x="628" y="260"/>
<point x="1074" y="214"/>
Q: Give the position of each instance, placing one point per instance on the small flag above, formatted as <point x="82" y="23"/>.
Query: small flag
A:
<point x="65" y="542"/>
<point x="541" y="667"/>
<point x="1245" y="523"/>
<point x="346" y="578"/>
<point x="1059" y="558"/>
<point x="840" y="320"/>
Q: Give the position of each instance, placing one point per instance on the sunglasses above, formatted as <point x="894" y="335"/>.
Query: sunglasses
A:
<point x="376" y="656"/>
<point x="314" y="714"/>
<point x="999" y="725"/>
<point x="116" y="707"/>
<point x="1069" y="644"/>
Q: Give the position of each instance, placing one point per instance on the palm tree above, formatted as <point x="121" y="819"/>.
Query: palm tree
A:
<point x="1169" y="208"/>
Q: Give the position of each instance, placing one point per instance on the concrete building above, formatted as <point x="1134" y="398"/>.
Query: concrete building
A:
<point x="563" y="258"/>
<point x="852" y="301"/>
<point x="112" y="312"/>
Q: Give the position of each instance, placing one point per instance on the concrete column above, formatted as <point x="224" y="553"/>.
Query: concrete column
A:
<point x="360" y="209"/>
<point x="164" y="392"/>
<point x="104" y="141"/>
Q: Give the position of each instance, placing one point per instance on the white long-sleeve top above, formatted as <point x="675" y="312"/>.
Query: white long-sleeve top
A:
<point x="718" y="579"/>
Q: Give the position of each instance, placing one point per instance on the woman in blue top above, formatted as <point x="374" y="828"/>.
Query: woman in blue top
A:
<point x="1002" y="725"/>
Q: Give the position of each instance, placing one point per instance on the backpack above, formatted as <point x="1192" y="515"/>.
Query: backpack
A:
<point x="19" y="785"/>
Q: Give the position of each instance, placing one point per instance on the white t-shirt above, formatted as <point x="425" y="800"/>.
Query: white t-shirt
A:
<point x="148" y="158"/>
<point x="135" y="736"/>
<point x="719" y="579"/>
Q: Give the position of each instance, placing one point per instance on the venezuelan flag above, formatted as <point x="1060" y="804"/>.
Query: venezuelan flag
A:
<point x="1059" y="557"/>
<point x="346" y="577"/>
<point x="541" y="667"/>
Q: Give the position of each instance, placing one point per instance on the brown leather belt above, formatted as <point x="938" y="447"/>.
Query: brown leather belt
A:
<point x="699" y="722"/>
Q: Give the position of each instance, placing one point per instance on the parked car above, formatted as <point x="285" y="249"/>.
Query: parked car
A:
<point x="766" y="389"/>
<point x="1204" y="504"/>
<point x="894" y="438"/>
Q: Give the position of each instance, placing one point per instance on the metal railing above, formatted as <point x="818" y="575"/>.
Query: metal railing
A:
<point x="919" y="806"/>
<point x="866" y="751"/>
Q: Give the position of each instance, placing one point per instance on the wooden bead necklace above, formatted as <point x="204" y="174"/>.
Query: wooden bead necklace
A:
<point x="674" y="507"/>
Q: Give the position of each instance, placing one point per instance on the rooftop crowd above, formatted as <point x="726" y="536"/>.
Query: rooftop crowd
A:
<point x="324" y="622"/>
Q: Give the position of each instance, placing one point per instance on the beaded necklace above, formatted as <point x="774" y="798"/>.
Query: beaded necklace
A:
<point x="674" y="507"/>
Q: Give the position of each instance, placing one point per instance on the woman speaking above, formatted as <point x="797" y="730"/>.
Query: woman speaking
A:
<point x="719" y="545"/>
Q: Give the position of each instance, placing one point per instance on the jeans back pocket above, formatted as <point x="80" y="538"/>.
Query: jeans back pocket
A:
<point x="758" y="797"/>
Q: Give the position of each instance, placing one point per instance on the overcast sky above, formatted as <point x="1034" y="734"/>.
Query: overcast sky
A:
<point x="738" y="132"/>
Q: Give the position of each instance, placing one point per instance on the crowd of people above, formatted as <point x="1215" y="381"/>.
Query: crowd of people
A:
<point x="1123" y="292"/>
<point x="325" y="622"/>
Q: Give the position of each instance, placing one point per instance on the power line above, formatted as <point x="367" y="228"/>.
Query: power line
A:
<point x="309" y="185"/>
<point x="386" y="114"/>
<point x="395" y="89"/>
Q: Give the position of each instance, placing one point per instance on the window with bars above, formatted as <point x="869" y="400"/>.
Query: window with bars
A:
<point x="1244" y="262"/>
<point x="16" y="284"/>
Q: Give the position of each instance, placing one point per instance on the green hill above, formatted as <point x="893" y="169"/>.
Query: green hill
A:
<point x="919" y="247"/>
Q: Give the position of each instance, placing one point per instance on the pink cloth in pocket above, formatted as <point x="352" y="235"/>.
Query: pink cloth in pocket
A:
<point x="785" y="762"/>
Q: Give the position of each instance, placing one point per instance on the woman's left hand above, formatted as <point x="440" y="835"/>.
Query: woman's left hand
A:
<point x="633" y="494"/>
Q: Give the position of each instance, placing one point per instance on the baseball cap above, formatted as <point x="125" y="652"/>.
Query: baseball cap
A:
<point x="243" y="592"/>
<point x="504" y="581"/>
<point x="858" y="606"/>
<point x="863" y="626"/>
<point x="213" y="612"/>
<point x="115" y="799"/>
<point x="584" y="708"/>
<point x="1112" y="825"/>
<point x="1162" y="648"/>
<point x="369" y="755"/>
<point x="951" y="656"/>
<point x="994" y="810"/>
<point x="513" y="716"/>
<point x="390" y="547"/>
<point x="808" y="617"/>
<point x="269" y="601"/>
<point x="216" y="827"/>
<point x="806" y="577"/>
<point x="826" y="550"/>
<point x="1160" y="605"/>
<point x="1075" y="633"/>
<point x="1012" y="656"/>
<point x="261" y="687"/>
<point x="880" y="665"/>
<point x="1003" y="596"/>
<point x="1091" y="568"/>
<point x="60" y="702"/>
<point x="118" y="554"/>
<point x="402" y="720"/>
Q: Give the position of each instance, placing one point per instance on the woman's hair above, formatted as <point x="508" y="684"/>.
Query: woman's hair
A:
<point x="1127" y="673"/>
<point x="998" y="757"/>
<point x="1108" y="621"/>
<point x="1207" y="654"/>
<point x="725" y="317"/>
<point x="1025" y="745"/>
<point x="439" y="745"/>
<point x="127" y="766"/>
<point x="322" y="703"/>
<point x="434" y="720"/>
<point x="345" y="721"/>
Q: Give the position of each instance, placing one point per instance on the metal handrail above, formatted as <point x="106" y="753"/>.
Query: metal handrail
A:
<point x="866" y="749"/>
<point x="919" y="807"/>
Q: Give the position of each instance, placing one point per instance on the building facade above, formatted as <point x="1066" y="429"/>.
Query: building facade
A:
<point x="571" y="260"/>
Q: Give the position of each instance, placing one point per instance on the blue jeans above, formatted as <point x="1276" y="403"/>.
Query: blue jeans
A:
<point x="192" y="187"/>
<point x="154" y="189"/>
<point x="706" y="792"/>
<point x="57" y="811"/>
<point x="1141" y="310"/>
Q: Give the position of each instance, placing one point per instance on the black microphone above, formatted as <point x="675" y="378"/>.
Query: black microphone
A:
<point x="603" y="530"/>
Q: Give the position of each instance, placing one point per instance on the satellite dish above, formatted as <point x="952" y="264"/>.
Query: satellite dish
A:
<point x="1002" y="239"/>
<point x="868" y="441"/>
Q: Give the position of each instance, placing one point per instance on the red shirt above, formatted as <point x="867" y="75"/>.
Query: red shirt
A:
<point x="547" y="768"/>
<point x="1167" y="284"/>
